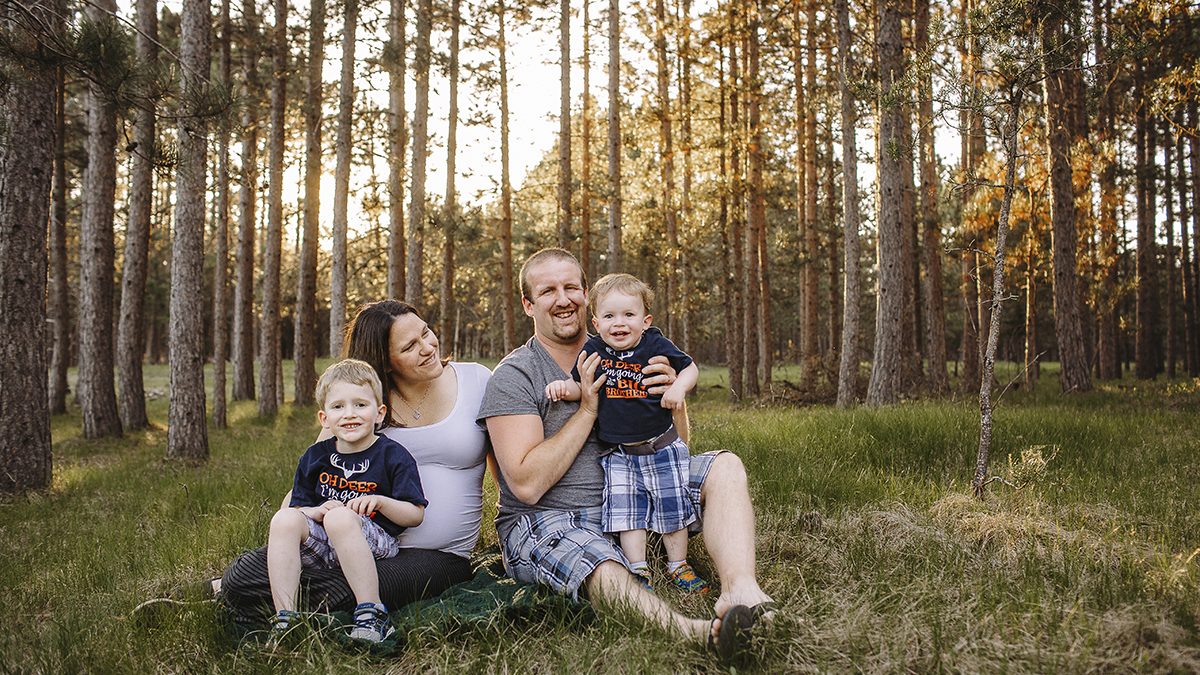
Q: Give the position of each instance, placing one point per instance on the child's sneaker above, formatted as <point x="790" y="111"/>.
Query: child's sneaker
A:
<point x="371" y="623"/>
<point x="685" y="578"/>
<point x="643" y="577"/>
<point x="283" y="621"/>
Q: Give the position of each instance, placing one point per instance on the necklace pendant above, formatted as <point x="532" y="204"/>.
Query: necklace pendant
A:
<point x="416" y="415"/>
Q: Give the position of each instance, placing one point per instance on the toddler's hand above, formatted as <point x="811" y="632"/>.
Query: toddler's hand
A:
<point x="331" y="505"/>
<point x="365" y="505"/>
<point x="556" y="390"/>
<point x="673" y="400"/>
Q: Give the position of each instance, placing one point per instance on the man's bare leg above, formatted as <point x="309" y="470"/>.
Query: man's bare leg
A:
<point x="611" y="584"/>
<point x="729" y="533"/>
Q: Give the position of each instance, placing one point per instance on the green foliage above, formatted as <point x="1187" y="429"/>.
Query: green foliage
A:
<point x="866" y="536"/>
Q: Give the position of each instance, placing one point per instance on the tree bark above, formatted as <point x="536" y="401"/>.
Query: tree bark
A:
<point x="1109" y="261"/>
<point x="414" y="289"/>
<point x="989" y="352"/>
<point x="58" y="303"/>
<point x="1169" y="258"/>
<point x="564" y="123"/>
<point x="666" y="166"/>
<point x="886" y="373"/>
<point x="1068" y="320"/>
<point x="751" y="313"/>
<point x="187" y="433"/>
<point x="848" y="364"/>
<point x="585" y="178"/>
<point x="97" y="394"/>
<point x="26" y="172"/>
<point x="243" y="297"/>
<point x="131" y="337"/>
<point x="733" y="241"/>
<point x="506" y="252"/>
<point x="1185" y="273"/>
<point x="450" y="205"/>
<point x="812" y="270"/>
<point x="397" y="143"/>
<point x="305" y="343"/>
<point x="221" y="255"/>
<point x="614" y="136"/>
<point x="1031" y="355"/>
<point x="268" y="391"/>
<point x="931" y="228"/>
<point x="687" y="222"/>
<point x="341" y="184"/>
<point x="1145" y="349"/>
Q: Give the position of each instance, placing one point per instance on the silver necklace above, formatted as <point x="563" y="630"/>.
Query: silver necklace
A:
<point x="415" y="410"/>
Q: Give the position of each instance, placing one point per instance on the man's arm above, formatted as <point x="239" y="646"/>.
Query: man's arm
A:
<point x="532" y="463"/>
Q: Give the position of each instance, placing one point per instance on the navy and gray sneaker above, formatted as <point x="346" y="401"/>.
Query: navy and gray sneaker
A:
<point x="283" y="621"/>
<point x="371" y="623"/>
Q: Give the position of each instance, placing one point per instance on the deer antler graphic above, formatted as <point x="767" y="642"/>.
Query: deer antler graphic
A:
<point x="349" y="471"/>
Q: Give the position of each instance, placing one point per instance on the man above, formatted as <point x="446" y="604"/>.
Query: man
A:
<point x="551" y="483"/>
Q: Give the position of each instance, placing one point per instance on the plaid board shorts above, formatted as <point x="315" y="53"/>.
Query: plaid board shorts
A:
<point x="316" y="551"/>
<point x="648" y="492"/>
<point x="560" y="549"/>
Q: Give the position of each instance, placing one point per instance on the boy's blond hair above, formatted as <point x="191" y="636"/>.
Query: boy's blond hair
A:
<point x="623" y="283"/>
<point x="352" y="371"/>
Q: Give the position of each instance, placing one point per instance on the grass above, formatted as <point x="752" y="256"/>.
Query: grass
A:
<point x="865" y="534"/>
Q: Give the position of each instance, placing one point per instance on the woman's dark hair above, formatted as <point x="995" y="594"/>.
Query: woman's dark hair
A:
<point x="367" y="337"/>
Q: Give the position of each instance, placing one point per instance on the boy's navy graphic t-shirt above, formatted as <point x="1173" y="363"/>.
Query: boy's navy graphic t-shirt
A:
<point x="628" y="413"/>
<point x="385" y="468"/>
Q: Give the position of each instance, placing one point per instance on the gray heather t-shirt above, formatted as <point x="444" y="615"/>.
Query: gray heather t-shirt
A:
<point x="518" y="387"/>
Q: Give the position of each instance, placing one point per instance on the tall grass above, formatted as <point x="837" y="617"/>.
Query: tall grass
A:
<point x="866" y="536"/>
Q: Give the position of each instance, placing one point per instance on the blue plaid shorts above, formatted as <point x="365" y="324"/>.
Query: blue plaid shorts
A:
<point x="316" y="551"/>
<point x="560" y="549"/>
<point x="648" y="492"/>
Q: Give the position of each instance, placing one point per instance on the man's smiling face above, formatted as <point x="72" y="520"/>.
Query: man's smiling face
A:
<point x="558" y="300"/>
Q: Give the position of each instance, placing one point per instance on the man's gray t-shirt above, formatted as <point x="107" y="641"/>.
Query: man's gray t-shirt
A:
<point x="518" y="387"/>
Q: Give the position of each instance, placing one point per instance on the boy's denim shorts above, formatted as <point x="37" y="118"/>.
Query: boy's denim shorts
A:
<point x="560" y="549"/>
<point x="316" y="551"/>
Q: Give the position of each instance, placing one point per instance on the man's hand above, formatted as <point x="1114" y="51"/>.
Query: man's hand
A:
<point x="662" y="376"/>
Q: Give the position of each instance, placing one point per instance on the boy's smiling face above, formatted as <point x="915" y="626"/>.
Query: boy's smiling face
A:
<point x="350" y="413"/>
<point x="621" y="319"/>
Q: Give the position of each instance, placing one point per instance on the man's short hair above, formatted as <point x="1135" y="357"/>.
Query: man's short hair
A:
<point x="553" y="253"/>
<point x="621" y="283"/>
<point x="352" y="371"/>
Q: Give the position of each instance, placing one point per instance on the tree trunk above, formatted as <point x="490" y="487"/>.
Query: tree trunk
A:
<point x="341" y="184"/>
<point x="733" y="236"/>
<point x="750" y="204"/>
<point x="131" y="337"/>
<point x="809" y="347"/>
<point x="989" y="352"/>
<point x="243" y="295"/>
<point x="305" y="342"/>
<point x="1194" y="145"/>
<point x="414" y="289"/>
<point x="687" y="226"/>
<point x="1109" y="367"/>
<point x="397" y="143"/>
<point x="268" y="393"/>
<point x="187" y="433"/>
<point x="666" y="166"/>
<point x="614" y="136"/>
<point x="886" y="373"/>
<point x="1146" y="334"/>
<point x="564" y="123"/>
<point x="26" y="171"/>
<point x="1169" y="258"/>
<point x="1031" y="354"/>
<point x="446" y="310"/>
<point x="97" y="395"/>
<point x="506" y="252"/>
<point x="931" y="228"/>
<point x="802" y="223"/>
<point x="758" y="207"/>
<point x="832" y="231"/>
<point x="585" y="179"/>
<point x="1185" y="259"/>
<point x="848" y="365"/>
<point x="58" y="304"/>
<point x="1068" y="320"/>
<point x="221" y="263"/>
<point x="910" y="328"/>
<point x="973" y="145"/>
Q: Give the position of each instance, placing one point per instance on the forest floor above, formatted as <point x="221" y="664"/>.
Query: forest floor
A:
<point x="867" y="536"/>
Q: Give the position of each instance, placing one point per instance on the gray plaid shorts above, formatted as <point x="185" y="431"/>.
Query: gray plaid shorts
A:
<point x="560" y="549"/>
<point x="316" y="551"/>
<point x="648" y="492"/>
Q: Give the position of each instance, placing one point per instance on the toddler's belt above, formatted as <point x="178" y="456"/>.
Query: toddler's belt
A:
<point x="651" y="446"/>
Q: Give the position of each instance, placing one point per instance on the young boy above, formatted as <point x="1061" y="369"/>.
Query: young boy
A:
<point x="353" y="493"/>
<point x="646" y="475"/>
